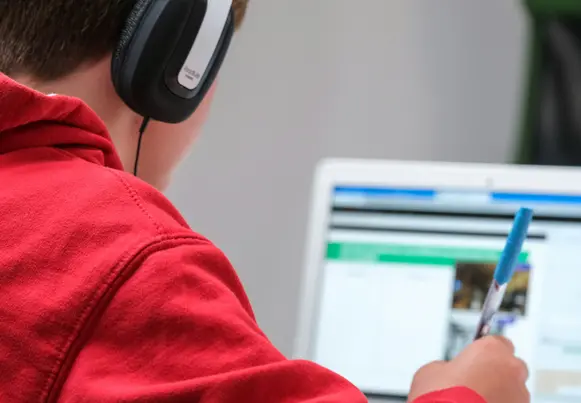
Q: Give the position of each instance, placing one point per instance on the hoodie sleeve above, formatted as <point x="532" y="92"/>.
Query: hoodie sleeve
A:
<point x="452" y="395"/>
<point x="180" y="329"/>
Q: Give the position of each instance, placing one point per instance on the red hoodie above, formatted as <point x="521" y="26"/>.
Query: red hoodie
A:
<point x="106" y="294"/>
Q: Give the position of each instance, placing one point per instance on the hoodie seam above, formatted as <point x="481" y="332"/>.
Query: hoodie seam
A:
<point x="139" y="202"/>
<point x="97" y="304"/>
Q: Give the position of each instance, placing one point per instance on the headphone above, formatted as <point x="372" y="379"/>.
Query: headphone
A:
<point x="169" y="54"/>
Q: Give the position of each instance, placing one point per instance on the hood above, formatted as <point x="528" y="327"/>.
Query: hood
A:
<point x="30" y="119"/>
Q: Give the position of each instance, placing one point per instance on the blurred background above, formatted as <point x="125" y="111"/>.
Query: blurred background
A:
<point x="395" y="79"/>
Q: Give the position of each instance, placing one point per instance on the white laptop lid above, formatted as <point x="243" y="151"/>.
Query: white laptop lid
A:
<point x="400" y="256"/>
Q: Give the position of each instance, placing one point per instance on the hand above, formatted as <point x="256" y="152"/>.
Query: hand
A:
<point x="487" y="366"/>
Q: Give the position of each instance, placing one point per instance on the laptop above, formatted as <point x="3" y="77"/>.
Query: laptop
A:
<point x="400" y="256"/>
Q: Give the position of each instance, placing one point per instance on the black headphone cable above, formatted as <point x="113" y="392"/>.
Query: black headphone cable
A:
<point x="142" y="128"/>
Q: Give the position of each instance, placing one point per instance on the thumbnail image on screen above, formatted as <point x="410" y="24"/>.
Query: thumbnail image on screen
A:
<point x="471" y="284"/>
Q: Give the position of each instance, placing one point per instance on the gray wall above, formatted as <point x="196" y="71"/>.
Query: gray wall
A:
<point x="307" y="79"/>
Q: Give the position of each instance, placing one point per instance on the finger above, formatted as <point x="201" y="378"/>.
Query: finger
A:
<point x="435" y="365"/>
<point x="429" y="369"/>
<point x="424" y="377"/>
<point x="524" y="395"/>
<point x="522" y="370"/>
<point x="501" y="341"/>
<point x="518" y="394"/>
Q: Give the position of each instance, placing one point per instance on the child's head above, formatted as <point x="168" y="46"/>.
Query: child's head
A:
<point x="65" y="47"/>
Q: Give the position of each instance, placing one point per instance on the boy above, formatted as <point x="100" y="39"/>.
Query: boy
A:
<point x="106" y="293"/>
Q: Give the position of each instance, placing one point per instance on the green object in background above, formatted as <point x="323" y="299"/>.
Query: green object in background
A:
<point x="554" y="7"/>
<point x="554" y="53"/>
<point x="530" y="110"/>
<point x="412" y="254"/>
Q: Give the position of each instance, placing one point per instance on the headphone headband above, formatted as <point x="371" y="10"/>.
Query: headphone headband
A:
<point x="205" y="44"/>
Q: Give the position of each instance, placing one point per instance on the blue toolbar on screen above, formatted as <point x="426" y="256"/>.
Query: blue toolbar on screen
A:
<point x="427" y="194"/>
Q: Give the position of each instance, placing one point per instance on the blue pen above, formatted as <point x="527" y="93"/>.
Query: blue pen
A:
<point x="504" y="270"/>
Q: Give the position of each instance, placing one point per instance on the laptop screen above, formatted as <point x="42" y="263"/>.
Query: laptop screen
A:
<point x="406" y="272"/>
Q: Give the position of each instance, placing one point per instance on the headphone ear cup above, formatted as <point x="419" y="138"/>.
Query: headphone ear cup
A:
<point x="125" y="39"/>
<point x="154" y="46"/>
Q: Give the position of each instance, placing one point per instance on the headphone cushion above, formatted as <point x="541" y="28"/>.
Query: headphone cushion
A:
<point x="125" y="39"/>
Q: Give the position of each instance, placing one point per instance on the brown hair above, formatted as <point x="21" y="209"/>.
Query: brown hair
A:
<point x="50" y="39"/>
